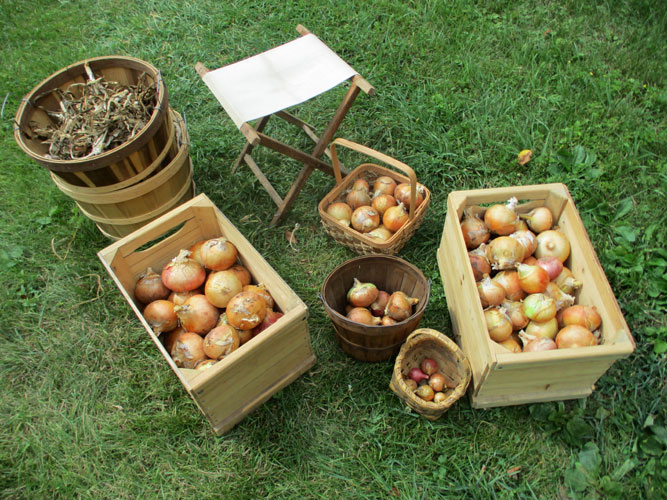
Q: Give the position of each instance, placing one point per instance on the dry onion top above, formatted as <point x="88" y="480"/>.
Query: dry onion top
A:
<point x="97" y="116"/>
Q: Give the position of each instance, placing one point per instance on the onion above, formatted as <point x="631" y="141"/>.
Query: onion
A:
<point x="358" y="198"/>
<point x="263" y="292"/>
<point x="169" y="338"/>
<point x="561" y="298"/>
<point x="417" y="375"/>
<point x="179" y="298"/>
<point x="195" y="251"/>
<point x="575" y="336"/>
<point x="379" y="304"/>
<point x="480" y="265"/>
<point x="160" y="315"/>
<point x="532" y="278"/>
<point x="221" y="286"/>
<point x="567" y="282"/>
<point x="340" y="211"/>
<point x="530" y="260"/>
<point x="539" y="307"/>
<point x="537" y="344"/>
<point x="429" y="366"/>
<point x="245" y="335"/>
<point x="539" y="219"/>
<point x="395" y="218"/>
<point x="502" y="219"/>
<point x="402" y="194"/>
<point x="497" y="324"/>
<point x="511" y="345"/>
<point x="521" y="225"/>
<point x="183" y="274"/>
<point x="425" y="392"/>
<point x="399" y="306"/>
<point x="388" y="321"/>
<point x="246" y="310"/>
<point x="528" y="241"/>
<point x="474" y="229"/>
<point x="384" y="185"/>
<point x="504" y="253"/>
<point x="218" y="254"/>
<point x="509" y="280"/>
<point x="543" y="329"/>
<point x="204" y="364"/>
<point x="360" y="185"/>
<point x="380" y="233"/>
<point x="197" y="315"/>
<point x="552" y="243"/>
<point x="383" y="202"/>
<point x="221" y="341"/>
<point x="242" y="273"/>
<point x="439" y="397"/>
<point x="586" y="316"/>
<point x="412" y="385"/>
<point x="149" y="287"/>
<point x="365" y="218"/>
<point x="363" y="316"/>
<point x="490" y="292"/>
<point x="270" y="318"/>
<point x="514" y="311"/>
<point x="188" y="350"/>
<point x="437" y="382"/>
<point x="551" y="265"/>
<point x="362" y="294"/>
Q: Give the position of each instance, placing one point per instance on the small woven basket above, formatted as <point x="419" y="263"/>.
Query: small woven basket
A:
<point x="452" y="363"/>
<point x="348" y="236"/>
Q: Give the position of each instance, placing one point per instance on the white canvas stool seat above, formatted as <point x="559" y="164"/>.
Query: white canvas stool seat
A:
<point x="266" y="84"/>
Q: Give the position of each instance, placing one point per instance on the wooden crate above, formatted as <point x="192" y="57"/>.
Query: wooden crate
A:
<point x="249" y="376"/>
<point x="499" y="377"/>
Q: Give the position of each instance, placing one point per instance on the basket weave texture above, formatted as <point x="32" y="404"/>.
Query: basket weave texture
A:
<point x="452" y="363"/>
<point x="348" y="236"/>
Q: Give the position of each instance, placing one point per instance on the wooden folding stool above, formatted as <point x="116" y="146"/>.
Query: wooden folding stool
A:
<point x="266" y="84"/>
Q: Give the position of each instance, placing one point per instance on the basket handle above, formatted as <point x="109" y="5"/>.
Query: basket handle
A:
<point x="378" y="156"/>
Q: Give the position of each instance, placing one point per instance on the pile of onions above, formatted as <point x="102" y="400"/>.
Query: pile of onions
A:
<point x="368" y="305"/>
<point x="202" y="317"/>
<point x="428" y="381"/>
<point x="527" y="294"/>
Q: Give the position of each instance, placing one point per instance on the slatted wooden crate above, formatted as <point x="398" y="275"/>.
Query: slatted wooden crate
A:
<point x="499" y="377"/>
<point x="249" y="376"/>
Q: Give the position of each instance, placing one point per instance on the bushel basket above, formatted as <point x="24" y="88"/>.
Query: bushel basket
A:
<point x="348" y="236"/>
<point x="452" y="363"/>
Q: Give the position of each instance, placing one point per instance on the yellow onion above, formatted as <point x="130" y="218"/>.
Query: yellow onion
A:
<point x="205" y="364"/>
<point x="360" y="185"/>
<point x="362" y="294"/>
<point x="437" y="382"/>
<point x="552" y="243"/>
<point x="384" y="185"/>
<point x="246" y="310"/>
<point x="358" y="198"/>
<point x="539" y="307"/>
<point x="543" y="329"/>
<point x="363" y="316"/>
<point x="497" y="324"/>
<point x="379" y="304"/>
<point x="504" y="252"/>
<point x="380" y="233"/>
<point x="528" y="241"/>
<point x="425" y="392"/>
<point x="532" y="278"/>
<point x="511" y="345"/>
<point x="537" y="344"/>
<point x="365" y="218"/>
<point x="383" y="202"/>
<point x="561" y="298"/>
<point x="197" y="314"/>
<point x="179" y="298"/>
<point x="514" y="311"/>
<point x="221" y="286"/>
<point x="188" y="350"/>
<point x="586" y="316"/>
<point x="221" y="341"/>
<point x="502" y="219"/>
<point x="340" y="211"/>
<point x="161" y="316"/>
<point x="395" y="218"/>
<point x="490" y="292"/>
<point x="387" y="321"/>
<point x="195" y="251"/>
<point x="480" y="265"/>
<point x="149" y="287"/>
<point x="402" y="194"/>
<point x="399" y="306"/>
<point x="169" y="338"/>
<point x="474" y="229"/>
<point x="242" y="273"/>
<point x="183" y="273"/>
<point x="575" y="336"/>
<point x="567" y="282"/>
<point x="218" y="254"/>
<point x="263" y="292"/>
<point x="551" y="265"/>
<point x="509" y="280"/>
<point x="539" y="219"/>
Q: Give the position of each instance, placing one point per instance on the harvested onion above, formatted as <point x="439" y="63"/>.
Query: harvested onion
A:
<point x="221" y="341"/>
<point x="221" y="286"/>
<point x="509" y="280"/>
<point x="480" y="265"/>
<point x="149" y="287"/>
<point x="475" y="232"/>
<point x="358" y="198"/>
<point x="395" y="218"/>
<point x="552" y="243"/>
<point x="551" y="265"/>
<point x="246" y="310"/>
<point x="363" y="316"/>
<point x="383" y="202"/>
<point x="161" y="316"/>
<point x="263" y="292"/>
<point x="379" y="304"/>
<point x="567" y="282"/>
<point x="586" y="316"/>
<point x="539" y="307"/>
<point x="502" y="219"/>
<point x="380" y="233"/>
<point x="575" y="336"/>
<point x="340" y="211"/>
<point x="504" y="252"/>
<point x="188" y="350"/>
<point x="543" y="329"/>
<point x="384" y="185"/>
<point x="532" y="278"/>
<point x="490" y="292"/>
<point x="362" y="294"/>
<point x="399" y="306"/>
<point x="218" y="254"/>
<point x="498" y="324"/>
<point x="539" y="219"/>
<point x="365" y="218"/>
<point x="197" y="314"/>
<point x="183" y="273"/>
<point x="402" y="194"/>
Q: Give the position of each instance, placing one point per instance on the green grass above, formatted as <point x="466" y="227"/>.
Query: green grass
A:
<point x="91" y="410"/>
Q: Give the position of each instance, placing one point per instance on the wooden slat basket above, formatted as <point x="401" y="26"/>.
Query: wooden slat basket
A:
<point x="246" y="378"/>
<point x="501" y="377"/>
<point x="452" y="363"/>
<point x="348" y="236"/>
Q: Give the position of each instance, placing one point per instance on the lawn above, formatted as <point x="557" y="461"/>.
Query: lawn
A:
<point x="91" y="409"/>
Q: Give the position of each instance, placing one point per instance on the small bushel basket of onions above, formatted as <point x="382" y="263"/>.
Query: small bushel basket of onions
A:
<point x="373" y="209"/>
<point x="430" y="373"/>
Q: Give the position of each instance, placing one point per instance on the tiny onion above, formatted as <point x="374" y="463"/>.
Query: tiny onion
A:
<point x="183" y="273"/>
<point x="149" y="287"/>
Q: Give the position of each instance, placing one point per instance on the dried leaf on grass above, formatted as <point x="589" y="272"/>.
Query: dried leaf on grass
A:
<point x="524" y="156"/>
<point x="97" y="116"/>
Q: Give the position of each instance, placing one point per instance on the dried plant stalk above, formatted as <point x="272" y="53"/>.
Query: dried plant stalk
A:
<point x="97" y="116"/>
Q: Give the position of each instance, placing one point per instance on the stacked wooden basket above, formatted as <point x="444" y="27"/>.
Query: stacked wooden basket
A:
<point x="128" y="186"/>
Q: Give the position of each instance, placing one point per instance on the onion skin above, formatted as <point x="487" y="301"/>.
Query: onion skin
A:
<point x="365" y="218"/>
<point x="425" y="392"/>
<point x="552" y="243"/>
<point x="161" y="316"/>
<point x="149" y="287"/>
<point x="474" y="230"/>
<point x="261" y="290"/>
<point x="221" y="286"/>
<point x="188" y="350"/>
<point x="573" y="336"/>
<point x="340" y="211"/>
<point x="183" y="273"/>
<point x="197" y="315"/>
<point x="533" y="279"/>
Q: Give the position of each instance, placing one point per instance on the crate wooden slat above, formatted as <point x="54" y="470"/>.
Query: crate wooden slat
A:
<point x="503" y="378"/>
<point x="242" y="381"/>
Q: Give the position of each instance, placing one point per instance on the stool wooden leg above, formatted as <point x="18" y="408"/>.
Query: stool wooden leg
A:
<point x="249" y="147"/>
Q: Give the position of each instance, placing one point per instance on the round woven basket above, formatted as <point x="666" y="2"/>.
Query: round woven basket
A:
<point x="388" y="273"/>
<point x="452" y="363"/>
